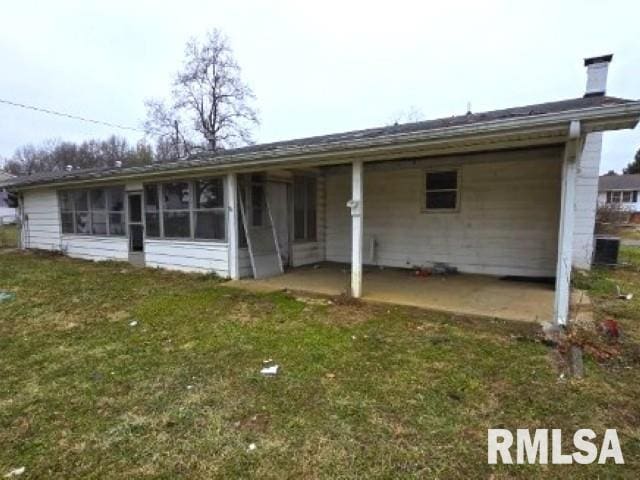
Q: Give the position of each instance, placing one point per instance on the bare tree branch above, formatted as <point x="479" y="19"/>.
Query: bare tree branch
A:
<point x="209" y="97"/>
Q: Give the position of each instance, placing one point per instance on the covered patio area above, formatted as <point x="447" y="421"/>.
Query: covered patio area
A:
<point x="478" y="295"/>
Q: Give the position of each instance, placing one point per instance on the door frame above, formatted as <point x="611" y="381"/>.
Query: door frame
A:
<point x="135" y="257"/>
<point x="288" y="214"/>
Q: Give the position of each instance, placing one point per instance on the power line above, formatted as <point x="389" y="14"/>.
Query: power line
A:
<point x="67" y="115"/>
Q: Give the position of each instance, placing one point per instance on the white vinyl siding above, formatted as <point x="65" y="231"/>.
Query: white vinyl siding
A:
<point x="506" y="224"/>
<point x="41" y="230"/>
<point x="586" y="200"/>
<point x="95" y="247"/>
<point x="244" y="263"/>
<point x="305" y="253"/>
<point x="188" y="256"/>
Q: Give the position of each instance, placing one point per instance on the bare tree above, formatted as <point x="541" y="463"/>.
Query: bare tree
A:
<point x="209" y="98"/>
<point x="164" y="123"/>
<point x="410" y="115"/>
<point x="55" y="155"/>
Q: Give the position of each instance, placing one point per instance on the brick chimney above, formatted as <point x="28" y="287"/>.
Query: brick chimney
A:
<point x="597" y="68"/>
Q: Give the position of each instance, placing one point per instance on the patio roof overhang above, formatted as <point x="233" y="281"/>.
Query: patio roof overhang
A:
<point x="536" y="130"/>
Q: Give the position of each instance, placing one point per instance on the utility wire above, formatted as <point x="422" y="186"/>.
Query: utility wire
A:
<point x="67" y="115"/>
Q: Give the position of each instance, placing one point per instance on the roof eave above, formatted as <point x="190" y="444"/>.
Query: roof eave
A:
<point x="554" y="126"/>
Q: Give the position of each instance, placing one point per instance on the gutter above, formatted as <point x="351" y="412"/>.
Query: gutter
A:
<point x="592" y="119"/>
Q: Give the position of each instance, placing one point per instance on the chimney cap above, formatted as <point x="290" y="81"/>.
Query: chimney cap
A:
<point x="600" y="59"/>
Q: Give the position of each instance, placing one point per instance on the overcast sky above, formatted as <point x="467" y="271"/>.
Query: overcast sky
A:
<point x="315" y="67"/>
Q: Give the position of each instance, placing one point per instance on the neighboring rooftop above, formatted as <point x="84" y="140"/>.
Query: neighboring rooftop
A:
<point x="619" y="182"/>
<point x="338" y="140"/>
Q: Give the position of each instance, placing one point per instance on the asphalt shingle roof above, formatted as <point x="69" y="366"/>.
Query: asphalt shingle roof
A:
<point x="619" y="182"/>
<point x="227" y="156"/>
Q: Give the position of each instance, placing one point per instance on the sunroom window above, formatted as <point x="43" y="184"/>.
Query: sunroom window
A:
<point x="96" y="211"/>
<point x="186" y="210"/>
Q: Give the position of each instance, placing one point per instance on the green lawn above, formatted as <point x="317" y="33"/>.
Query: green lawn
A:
<point x="8" y="236"/>
<point x="364" y="391"/>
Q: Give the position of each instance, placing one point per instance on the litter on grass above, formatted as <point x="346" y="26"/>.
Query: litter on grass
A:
<point x="252" y="446"/>
<point x="269" y="368"/>
<point x="7" y="296"/>
<point x="270" y="371"/>
<point x="623" y="296"/>
<point x="133" y="323"/>
<point x="15" y="472"/>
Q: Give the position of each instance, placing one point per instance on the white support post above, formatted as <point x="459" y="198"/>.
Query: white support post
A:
<point x="232" y="225"/>
<point x="565" y="231"/>
<point x="357" y="211"/>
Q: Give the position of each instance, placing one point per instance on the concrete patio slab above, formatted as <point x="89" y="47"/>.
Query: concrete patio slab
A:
<point x="478" y="295"/>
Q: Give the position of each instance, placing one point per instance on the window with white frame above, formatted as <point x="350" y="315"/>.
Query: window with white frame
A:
<point x="185" y="210"/>
<point x="619" y="196"/>
<point x="96" y="211"/>
<point x="176" y="209"/>
<point x="441" y="191"/>
<point x="304" y="208"/>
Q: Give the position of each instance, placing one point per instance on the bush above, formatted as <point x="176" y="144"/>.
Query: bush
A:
<point x="609" y="216"/>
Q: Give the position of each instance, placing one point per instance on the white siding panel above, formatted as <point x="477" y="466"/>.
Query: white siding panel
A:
<point x="6" y="213"/>
<point x="305" y="253"/>
<point x="42" y="227"/>
<point x="244" y="263"/>
<point x="586" y="200"/>
<point x="199" y="257"/>
<point x="507" y="223"/>
<point x="96" y="248"/>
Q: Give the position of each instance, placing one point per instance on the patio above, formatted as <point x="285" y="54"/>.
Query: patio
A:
<point x="478" y="295"/>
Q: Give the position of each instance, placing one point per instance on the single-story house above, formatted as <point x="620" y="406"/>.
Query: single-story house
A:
<point x="503" y="193"/>
<point x="7" y="213"/>
<point x="620" y="191"/>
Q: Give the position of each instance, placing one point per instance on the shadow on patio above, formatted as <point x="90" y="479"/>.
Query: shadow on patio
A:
<point x="479" y="295"/>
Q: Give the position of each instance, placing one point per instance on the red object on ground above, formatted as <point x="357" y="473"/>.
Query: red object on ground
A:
<point x="610" y="328"/>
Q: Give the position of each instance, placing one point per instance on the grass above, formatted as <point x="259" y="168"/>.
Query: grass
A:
<point x="8" y="236"/>
<point x="364" y="392"/>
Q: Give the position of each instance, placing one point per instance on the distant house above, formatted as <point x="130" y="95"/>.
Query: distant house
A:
<point x="620" y="190"/>
<point x="6" y="213"/>
<point x="505" y="193"/>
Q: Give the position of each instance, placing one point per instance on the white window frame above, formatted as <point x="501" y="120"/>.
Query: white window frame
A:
<point x="107" y="210"/>
<point x="159" y="187"/>
<point x="609" y="196"/>
<point x="423" y="193"/>
<point x="307" y="180"/>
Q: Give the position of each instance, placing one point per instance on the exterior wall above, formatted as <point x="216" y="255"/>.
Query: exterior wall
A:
<point x="41" y="226"/>
<point x="89" y="247"/>
<point x="507" y="223"/>
<point x="305" y="253"/>
<point x="188" y="256"/>
<point x="626" y="206"/>
<point x="42" y="231"/>
<point x="244" y="261"/>
<point x="586" y="200"/>
<point x="6" y="213"/>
